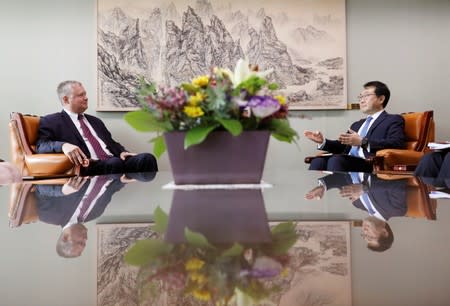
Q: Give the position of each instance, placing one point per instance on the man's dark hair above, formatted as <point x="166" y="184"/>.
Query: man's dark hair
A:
<point x="384" y="242"/>
<point x="380" y="90"/>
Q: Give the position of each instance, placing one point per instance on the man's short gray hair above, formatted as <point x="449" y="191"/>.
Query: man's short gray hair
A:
<point x="65" y="89"/>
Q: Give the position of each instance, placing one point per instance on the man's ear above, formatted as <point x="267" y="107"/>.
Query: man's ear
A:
<point x="66" y="99"/>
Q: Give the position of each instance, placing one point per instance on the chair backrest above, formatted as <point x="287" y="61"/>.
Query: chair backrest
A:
<point x="419" y="130"/>
<point x="27" y="127"/>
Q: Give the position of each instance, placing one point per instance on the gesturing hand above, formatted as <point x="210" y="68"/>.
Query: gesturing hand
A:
<point x="351" y="138"/>
<point x="315" y="136"/>
<point x="75" y="155"/>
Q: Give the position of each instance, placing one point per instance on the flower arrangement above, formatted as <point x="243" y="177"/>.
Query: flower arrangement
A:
<point x="224" y="100"/>
<point x="215" y="275"/>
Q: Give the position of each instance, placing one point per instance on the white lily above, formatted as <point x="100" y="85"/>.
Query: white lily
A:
<point x="242" y="72"/>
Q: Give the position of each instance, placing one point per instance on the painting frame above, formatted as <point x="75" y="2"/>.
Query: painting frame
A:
<point x="306" y="47"/>
<point x="321" y="259"/>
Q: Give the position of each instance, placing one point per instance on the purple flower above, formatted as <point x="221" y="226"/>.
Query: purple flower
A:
<point x="263" y="106"/>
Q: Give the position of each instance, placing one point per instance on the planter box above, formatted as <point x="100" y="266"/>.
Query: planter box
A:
<point x="221" y="159"/>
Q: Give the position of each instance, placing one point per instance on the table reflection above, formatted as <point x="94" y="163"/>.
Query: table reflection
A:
<point x="217" y="247"/>
<point x="69" y="203"/>
<point x="382" y="197"/>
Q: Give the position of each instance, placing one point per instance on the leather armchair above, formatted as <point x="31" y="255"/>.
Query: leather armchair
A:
<point x="419" y="130"/>
<point x="23" y="136"/>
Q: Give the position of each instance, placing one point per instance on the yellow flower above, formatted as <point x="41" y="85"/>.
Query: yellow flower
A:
<point x="193" y="111"/>
<point x="198" y="277"/>
<point x="201" y="81"/>
<point x="281" y="99"/>
<point x="194" y="263"/>
<point x="202" y="294"/>
<point x="196" y="99"/>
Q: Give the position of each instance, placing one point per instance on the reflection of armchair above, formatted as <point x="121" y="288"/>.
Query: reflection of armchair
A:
<point x="22" y="202"/>
<point x="23" y="136"/>
<point x="419" y="130"/>
<point x="419" y="204"/>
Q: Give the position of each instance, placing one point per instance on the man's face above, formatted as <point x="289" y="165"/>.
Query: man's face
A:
<point x="78" y="101"/>
<point x="369" y="103"/>
<point x="372" y="231"/>
<point x="78" y="236"/>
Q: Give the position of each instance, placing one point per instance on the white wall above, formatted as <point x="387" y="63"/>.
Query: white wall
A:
<point x="404" y="43"/>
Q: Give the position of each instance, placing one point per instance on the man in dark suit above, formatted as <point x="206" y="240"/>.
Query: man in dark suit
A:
<point x="382" y="199"/>
<point x="84" y="139"/>
<point x="434" y="165"/>
<point x="365" y="137"/>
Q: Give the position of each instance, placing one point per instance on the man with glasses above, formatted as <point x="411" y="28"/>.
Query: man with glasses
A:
<point x="379" y="130"/>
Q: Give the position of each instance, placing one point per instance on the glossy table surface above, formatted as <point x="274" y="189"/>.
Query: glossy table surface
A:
<point x="320" y="257"/>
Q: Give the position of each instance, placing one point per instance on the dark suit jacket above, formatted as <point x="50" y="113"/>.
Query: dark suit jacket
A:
<point x="57" y="129"/>
<point x="56" y="208"/>
<point x="387" y="131"/>
<point x="388" y="196"/>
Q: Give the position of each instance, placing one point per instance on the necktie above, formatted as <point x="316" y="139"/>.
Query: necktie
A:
<point x="101" y="154"/>
<point x="101" y="180"/>
<point x="362" y="133"/>
<point x="366" y="201"/>
<point x="364" y="197"/>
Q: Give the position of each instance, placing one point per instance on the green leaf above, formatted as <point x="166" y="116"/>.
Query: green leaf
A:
<point x="196" y="239"/>
<point x="281" y="130"/>
<point x="234" y="251"/>
<point x="143" y="251"/>
<point x="273" y="86"/>
<point x="144" y="121"/>
<point x="161" y="220"/>
<point x="284" y="237"/>
<point x="231" y="125"/>
<point x="197" y="135"/>
<point x="159" y="145"/>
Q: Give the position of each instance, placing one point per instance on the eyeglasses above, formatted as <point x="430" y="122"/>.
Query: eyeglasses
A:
<point x="360" y="97"/>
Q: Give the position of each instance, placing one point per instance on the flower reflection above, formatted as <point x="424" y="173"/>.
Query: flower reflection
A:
<point x="215" y="274"/>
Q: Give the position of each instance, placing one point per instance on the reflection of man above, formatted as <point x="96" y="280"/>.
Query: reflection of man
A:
<point x="381" y="199"/>
<point x="79" y="200"/>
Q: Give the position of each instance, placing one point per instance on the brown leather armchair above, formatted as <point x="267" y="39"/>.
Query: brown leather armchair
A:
<point x="23" y="137"/>
<point x="419" y="130"/>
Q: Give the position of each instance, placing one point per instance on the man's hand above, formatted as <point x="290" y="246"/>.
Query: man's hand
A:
<point x="351" y="138"/>
<point x="352" y="192"/>
<point x="73" y="184"/>
<point x="124" y="155"/>
<point x="316" y="193"/>
<point x="75" y="155"/>
<point x="315" y="136"/>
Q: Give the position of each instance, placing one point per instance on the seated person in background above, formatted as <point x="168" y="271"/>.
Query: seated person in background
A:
<point x="365" y="137"/>
<point x="382" y="199"/>
<point x="84" y="139"/>
<point x="434" y="165"/>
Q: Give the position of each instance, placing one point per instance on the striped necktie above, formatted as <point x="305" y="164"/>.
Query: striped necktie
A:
<point x="101" y="154"/>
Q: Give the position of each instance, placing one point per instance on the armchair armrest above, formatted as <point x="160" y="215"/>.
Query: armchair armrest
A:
<point x="50" y="163"/>
<point x="388" y="158"/>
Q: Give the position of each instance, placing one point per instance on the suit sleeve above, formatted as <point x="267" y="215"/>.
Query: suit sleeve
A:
<point x="46" y="136"/>
<point x="394" y="136"/>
